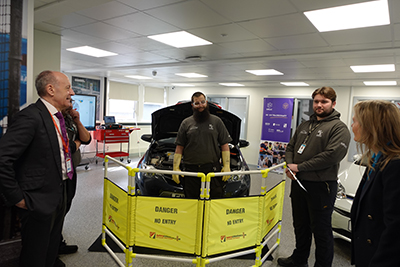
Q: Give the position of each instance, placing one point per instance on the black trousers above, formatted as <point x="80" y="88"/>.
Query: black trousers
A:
<point x="191" y="184"/>
<point x="41" y="235"/>
<point x="71" y="190"/>
<point x="312" y="214"/>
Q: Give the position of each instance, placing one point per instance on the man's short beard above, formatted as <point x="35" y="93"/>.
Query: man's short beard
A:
<point x="324" y="114"/>
<point x="201" y="116"/>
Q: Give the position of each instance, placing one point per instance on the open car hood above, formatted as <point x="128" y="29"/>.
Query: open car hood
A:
<point x="165" y="122"/>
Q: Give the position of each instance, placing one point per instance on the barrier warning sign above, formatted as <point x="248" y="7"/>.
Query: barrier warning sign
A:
<point x="116" y="210"/>
<point x="232" y="224"/>
<point x="273" y="207"/>
<point x="168" y="224"/>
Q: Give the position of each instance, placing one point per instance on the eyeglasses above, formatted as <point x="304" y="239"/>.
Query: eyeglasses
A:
<point x="198" y="103"/>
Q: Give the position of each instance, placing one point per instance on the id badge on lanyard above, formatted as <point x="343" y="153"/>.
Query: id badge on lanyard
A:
<point x="68" y="164"/>
<point x="303" y="146"/>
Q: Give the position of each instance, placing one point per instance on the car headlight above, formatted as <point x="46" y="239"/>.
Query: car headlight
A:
<point x="341" y="191"/>
<point x="235" y="178"/>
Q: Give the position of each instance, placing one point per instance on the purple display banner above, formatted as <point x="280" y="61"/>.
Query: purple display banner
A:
<point x="277" y="118"/>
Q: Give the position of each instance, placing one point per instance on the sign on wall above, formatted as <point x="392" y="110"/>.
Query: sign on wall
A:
<point x="277" y="117"/>
<point x="275" y="131"/>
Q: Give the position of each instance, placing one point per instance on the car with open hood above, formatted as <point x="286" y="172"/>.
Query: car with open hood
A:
<point x="160" y="153"/>
<point x="348" y="182"/>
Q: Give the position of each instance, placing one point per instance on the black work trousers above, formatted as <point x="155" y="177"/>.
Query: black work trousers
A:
<point x="191" y="184"/>
<point x="312" y="214"/>
<point x="41" y="235"/>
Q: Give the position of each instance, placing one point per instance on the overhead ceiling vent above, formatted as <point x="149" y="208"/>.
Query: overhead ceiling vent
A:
<point x="193" y="58"/>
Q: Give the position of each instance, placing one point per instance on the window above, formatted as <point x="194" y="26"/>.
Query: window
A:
<point x="123" y="110"/>
<point x="237" y="105"/>
<point x="149" y="108"/>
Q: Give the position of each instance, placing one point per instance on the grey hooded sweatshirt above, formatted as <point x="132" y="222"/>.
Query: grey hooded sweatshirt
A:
<point x="326" y="146"/>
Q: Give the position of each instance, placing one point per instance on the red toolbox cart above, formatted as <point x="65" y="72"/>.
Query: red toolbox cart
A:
<point x="113" y="136"/>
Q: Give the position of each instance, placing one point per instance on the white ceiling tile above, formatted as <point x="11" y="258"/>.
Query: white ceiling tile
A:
<point x="223" y="33"/>
<point x="142" y="24"/>
<point x="209" y="51"/>
<point x="283" y="65"/>
<point x="280" y="26"/>
<point x="144" y="43"/>
<point x="394" y="7"/>
<point x="53" y="12"/>
<point x="248" y="46"/>
<point x="68" y="44"/>
<point x="354" y="61"/>
<point x="324" y="63"/>
<point x="298" y="41"/>
<point x="70" y="20"/>
<point x="118" y="48"/>
<point x="188" y="15"/>
<point x="81" y="38"/>
<point x="365" y="48"/>
<point x="396" y="29"/>
<point x="105" y="31"/>
<point x="239" y="10"/>
<point x="107" y="11"/>
<point x="148" y="4"/>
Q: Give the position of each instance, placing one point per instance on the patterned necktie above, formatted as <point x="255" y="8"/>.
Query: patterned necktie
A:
<point x="65" y="137"/>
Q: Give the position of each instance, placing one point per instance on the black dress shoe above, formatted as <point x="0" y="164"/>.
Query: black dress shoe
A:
<point x="67" y="249"/>
<point x="289" y="262"/>
<point x="59" y="263"/>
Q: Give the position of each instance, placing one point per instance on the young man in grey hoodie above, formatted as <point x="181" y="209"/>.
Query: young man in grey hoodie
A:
<point x="313" y="155"/>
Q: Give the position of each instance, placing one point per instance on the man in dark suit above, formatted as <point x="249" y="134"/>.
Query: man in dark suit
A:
<point x="35" y="164"/>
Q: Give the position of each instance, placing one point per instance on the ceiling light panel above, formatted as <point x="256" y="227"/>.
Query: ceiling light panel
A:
<point x="183" y="84"/>
<point x="138" y="77"/>
<point x="179" y="39"/>
<point x="91" y="51"/>
<point x="265" y="72"/>
<point x="375" y="83"/>
<point x="373" y="68"/>
<point x="295" y="84"/>
<point x="368" y="14"/>
<point x="231" y="84"/>
<point x="191" y="75"/>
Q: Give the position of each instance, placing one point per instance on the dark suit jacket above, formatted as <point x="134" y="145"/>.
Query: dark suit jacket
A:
<point x="30" y="162"/>
<point x="375" y="218"/>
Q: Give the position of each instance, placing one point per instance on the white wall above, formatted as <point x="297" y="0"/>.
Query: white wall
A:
<point x="28" y="14"/>
<point x="46" y="56"/>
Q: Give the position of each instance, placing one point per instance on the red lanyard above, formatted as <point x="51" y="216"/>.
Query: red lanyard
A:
<point x="65" y="145"/>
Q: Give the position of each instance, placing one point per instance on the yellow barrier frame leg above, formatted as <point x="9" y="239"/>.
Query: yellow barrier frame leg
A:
<point x="258" y="255"/>
<point x="103" y="231"/>
<point x="263" y="182"/>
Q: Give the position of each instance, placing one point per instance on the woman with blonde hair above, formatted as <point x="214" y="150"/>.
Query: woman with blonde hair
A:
<point x="375" y="214"/>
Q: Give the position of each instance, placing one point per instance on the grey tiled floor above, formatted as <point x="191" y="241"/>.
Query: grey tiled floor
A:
<point x="83" y="225"/>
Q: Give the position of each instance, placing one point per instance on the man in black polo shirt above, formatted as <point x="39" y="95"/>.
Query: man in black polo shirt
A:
<point x="199" y="139"/>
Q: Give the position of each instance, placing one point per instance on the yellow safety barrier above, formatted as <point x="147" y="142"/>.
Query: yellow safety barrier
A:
<point x="204" y="227"/>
